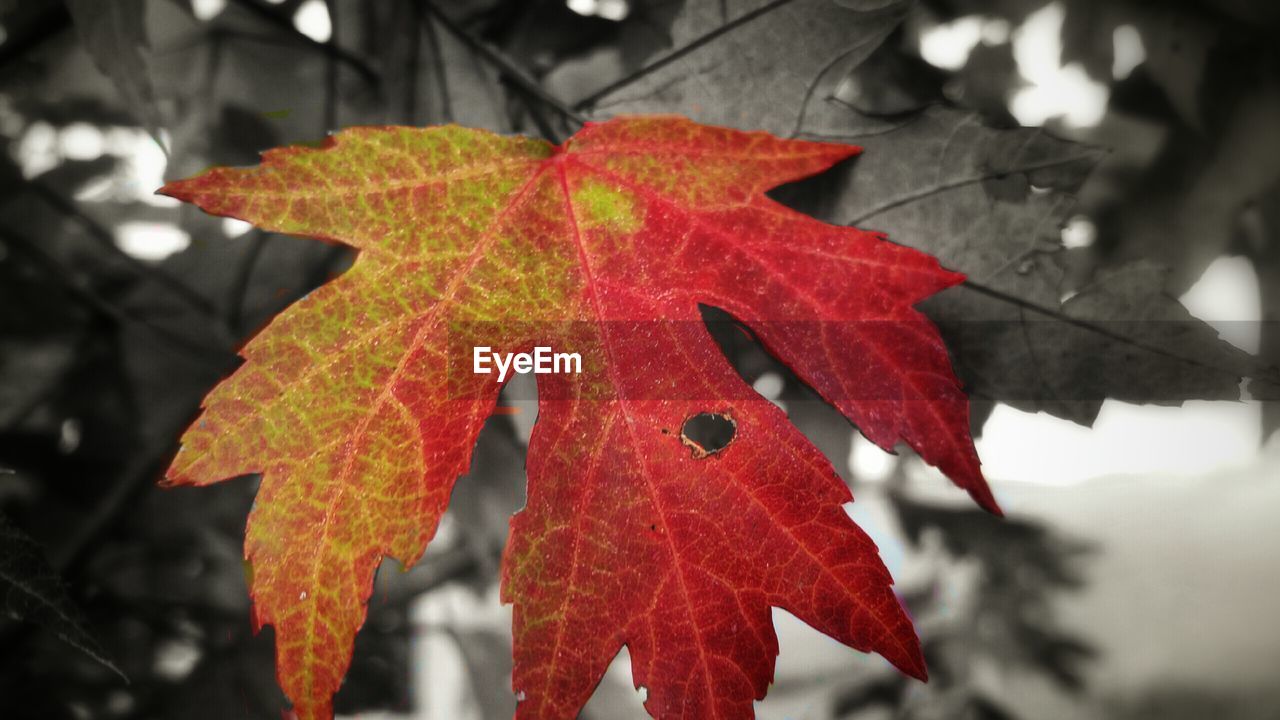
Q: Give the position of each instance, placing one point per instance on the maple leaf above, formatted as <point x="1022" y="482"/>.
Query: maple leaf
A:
<point x="359" y="405"/>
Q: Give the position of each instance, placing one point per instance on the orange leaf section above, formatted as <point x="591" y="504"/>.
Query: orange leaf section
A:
<point x="360" y="407"/>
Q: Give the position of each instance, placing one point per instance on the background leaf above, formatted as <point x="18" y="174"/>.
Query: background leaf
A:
<point x="114" y="33"/>
<point x="34" y="593"/>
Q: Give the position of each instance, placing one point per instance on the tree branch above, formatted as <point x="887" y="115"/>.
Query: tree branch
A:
<point x="437" y="61"/>
<point x="266" y="12"/>
<point x="678" y="53"/>
<point x="240" y="288"/>
<point x="1091" y="327"/>
<point x="506" y="67"/>
<point x="105" y="239"/>
<point x="102" y="307"/>
<point x="331" y="73"/>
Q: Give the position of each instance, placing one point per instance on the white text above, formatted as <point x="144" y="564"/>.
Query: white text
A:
<point x="541" y="361"/>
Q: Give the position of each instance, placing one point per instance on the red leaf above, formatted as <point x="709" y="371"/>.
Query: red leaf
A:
<point x="360" y="407"/>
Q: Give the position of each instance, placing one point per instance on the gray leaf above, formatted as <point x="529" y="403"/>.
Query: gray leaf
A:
<point x="988" y="202"/>
<point x="763" y="69"/>
<point x="34" y="593"/>
<point x="114" y="34"/>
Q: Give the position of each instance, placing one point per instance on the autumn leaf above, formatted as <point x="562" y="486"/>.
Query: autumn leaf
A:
<point x="360" y="407"/>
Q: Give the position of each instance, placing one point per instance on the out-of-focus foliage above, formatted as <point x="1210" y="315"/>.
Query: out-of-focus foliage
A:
<point x="115" y="35"/>
<point x="34" y="593"/>
<point x="104" y="356"/>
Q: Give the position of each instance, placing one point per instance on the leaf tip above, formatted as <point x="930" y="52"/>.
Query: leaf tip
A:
<point x="968" y="476"/>
<point x="177" y="189"/>
<point x="908" y="657"/>
<point x="952" y="278"/>
<point x="981" y="493"/>
<point x="841" y="151"/>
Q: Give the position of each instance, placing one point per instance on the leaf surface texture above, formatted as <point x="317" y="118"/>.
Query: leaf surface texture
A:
<point x="359" y="405"/>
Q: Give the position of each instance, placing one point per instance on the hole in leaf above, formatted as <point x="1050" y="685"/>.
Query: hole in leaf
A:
<point x="708" y="433"/>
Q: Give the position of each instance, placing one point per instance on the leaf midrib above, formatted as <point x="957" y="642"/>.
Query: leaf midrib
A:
<point x="342" y="477"/>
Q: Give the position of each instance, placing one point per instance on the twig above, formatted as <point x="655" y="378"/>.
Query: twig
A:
<point x="266" y="12"/>
<point x="1090" y="326"/>
<point x="943" y="187"/>
<point x="540" y="120"/>
<point x="331" y="72"/>
<point x="411" y="65"/>
<point x="42" y="394"/>
<point x="431" y="572"/>
<point x="678" y="53"/>
<point x="104" y="238"/>
<point x="504" y="64"/>
<point x="212" y="69"/>
<point x="134" y="480"/>
<point x="437" y="61"/>
<point x="240" y="288"/>
<point x="102" y="307"/>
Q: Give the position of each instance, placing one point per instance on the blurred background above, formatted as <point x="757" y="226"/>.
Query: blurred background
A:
<point x="1135" y="576"/>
